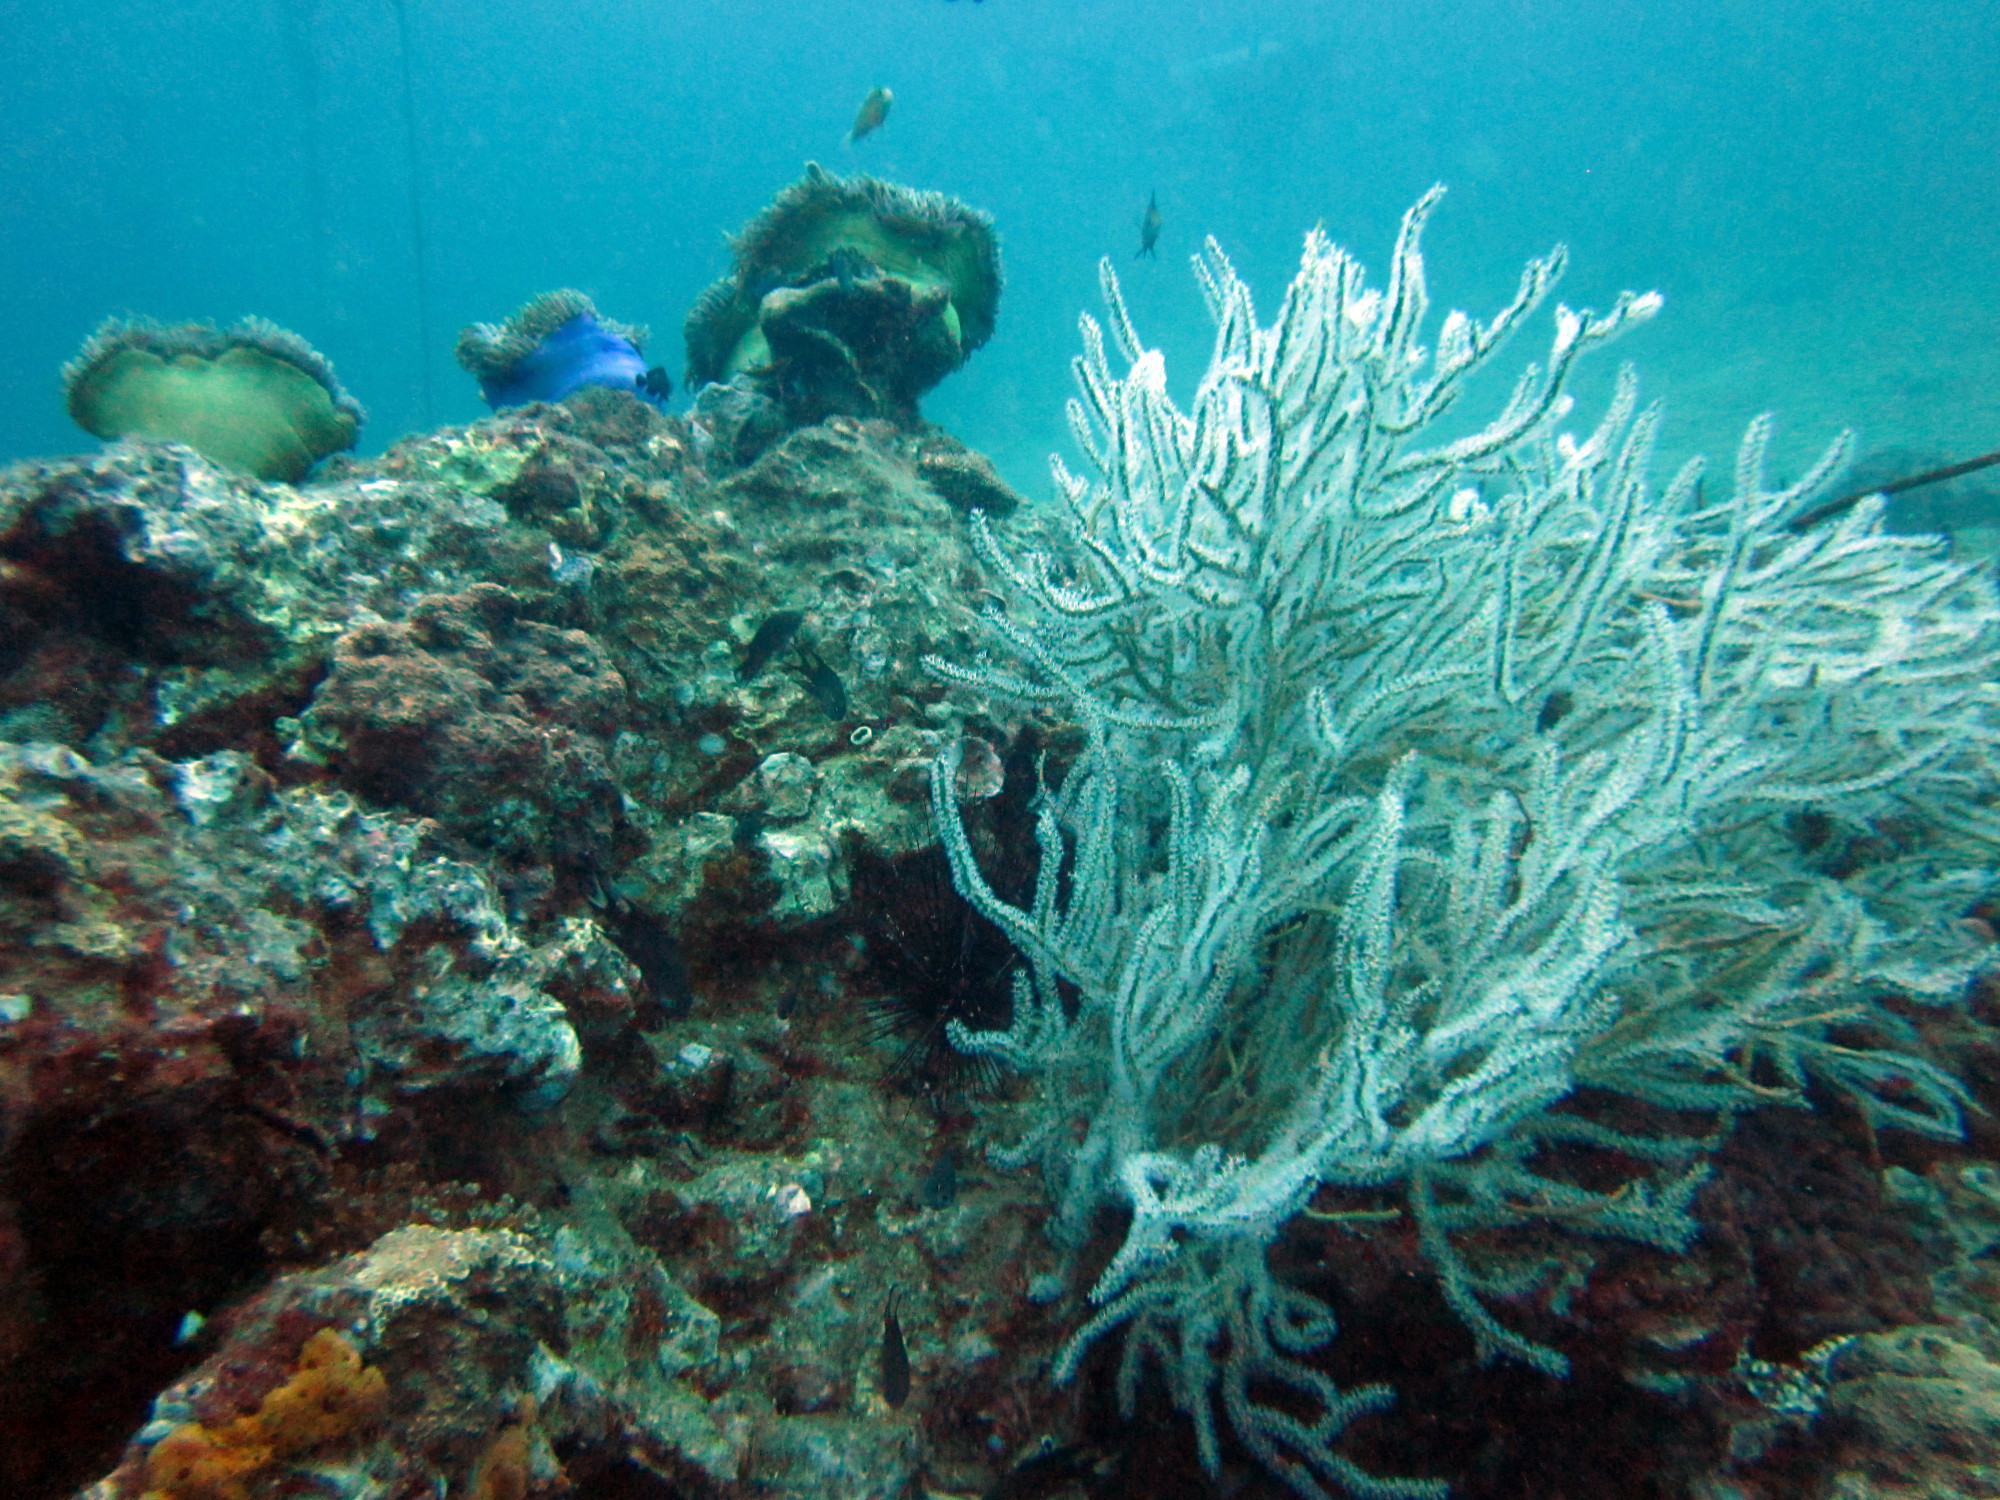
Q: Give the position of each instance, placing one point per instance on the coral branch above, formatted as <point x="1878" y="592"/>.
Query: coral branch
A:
<point x="1425" y="778"/>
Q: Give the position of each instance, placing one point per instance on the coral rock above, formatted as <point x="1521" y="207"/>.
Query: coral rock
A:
<point x="493" y="723"/>
<point x="465" y="1335"/>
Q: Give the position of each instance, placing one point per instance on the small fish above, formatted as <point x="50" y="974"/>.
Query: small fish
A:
<point x="848" y="265"/>
<point x="827" y="691"/>
<point x="824" y="684"/>
<point x="940" y="1188"/>
<point x="1048" y="1469"/>
<point x="653" y="947"/>
<point x="655" y="384"/>
<point x="874" y="110"/>
<point x="772" y="637"/>
<point x="1149" y="226"/>
<point x="895" y="1358"/>
<point x="1555" y="708"/>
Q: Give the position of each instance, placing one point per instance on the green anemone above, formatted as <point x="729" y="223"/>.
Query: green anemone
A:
<point x="822" y="224"/>
<point x="254" y="396"/>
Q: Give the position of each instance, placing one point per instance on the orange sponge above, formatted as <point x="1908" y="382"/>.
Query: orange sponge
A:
<point x="328" y="1396"/>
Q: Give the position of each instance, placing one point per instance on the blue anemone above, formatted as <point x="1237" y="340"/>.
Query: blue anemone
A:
<point x="555" y="345"/>
<point x="583" y="351"/>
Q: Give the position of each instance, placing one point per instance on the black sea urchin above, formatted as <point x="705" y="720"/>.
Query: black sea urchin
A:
<point x="929" y="960"/>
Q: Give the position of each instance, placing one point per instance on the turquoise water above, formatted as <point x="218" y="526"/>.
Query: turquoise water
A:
<point x="1811" y="184"/>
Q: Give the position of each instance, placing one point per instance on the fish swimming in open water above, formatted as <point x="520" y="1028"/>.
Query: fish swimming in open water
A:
<point x="1149" y="226"/>
<point x="874" y="110"/>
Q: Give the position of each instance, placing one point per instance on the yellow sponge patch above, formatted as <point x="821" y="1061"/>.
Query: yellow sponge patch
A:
<point x="330" y="1396"/>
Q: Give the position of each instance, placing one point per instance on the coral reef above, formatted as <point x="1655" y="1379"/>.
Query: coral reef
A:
<point x="254" y="396"/>
<point x="965" y="478"/>
<point x="849" y="295"/>
<point x="553" y="346"/>
<point x="216" y="986"/>
<point x="473" y="921"/>
<point x="493" y="723"/>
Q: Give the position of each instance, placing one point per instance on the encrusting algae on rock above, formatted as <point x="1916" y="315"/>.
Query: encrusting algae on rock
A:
<point x="254" y="396"/>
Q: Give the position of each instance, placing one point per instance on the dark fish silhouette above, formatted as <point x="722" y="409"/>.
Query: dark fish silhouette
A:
<point x="651" y="944"/>
<point x="895" y="1358"/>
<point x="940" y="1188"/>
<point x="823" y="683"/>
<point x="1050" y="1470"/>
<point x="1149" y="227"/>
<point x="874" y="110"/>
<point x="655" y="384"/>
<point x="847" y="265"/>
<point x="772" y="637"/>
<point x="1555" y="708"/>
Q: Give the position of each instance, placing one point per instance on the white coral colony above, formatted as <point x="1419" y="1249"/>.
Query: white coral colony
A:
<point x="1426" y="780"/>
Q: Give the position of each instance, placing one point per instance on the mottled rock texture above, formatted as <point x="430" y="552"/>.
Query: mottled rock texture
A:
<point x="411" y="847"/>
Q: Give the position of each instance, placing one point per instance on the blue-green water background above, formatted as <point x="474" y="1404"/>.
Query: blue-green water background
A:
<point x="1812" y="184"/>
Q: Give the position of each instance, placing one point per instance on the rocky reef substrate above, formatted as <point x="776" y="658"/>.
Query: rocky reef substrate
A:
<point x="472" y="961"/>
